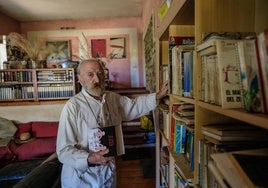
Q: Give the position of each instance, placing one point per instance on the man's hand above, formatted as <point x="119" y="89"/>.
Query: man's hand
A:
<point x="163" y="91"/>
<point x="98" y="157"/>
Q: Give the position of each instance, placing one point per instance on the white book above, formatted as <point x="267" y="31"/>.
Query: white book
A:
<point x="229" y="74"/>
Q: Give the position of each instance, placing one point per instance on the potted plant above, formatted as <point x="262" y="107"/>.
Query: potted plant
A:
<point x="35" y="51"/>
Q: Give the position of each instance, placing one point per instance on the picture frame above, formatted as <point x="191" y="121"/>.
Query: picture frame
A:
<point x="58" y="51"/>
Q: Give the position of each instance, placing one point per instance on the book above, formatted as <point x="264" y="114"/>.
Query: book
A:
<point x="250" y="77"/>
<point x="234" y="132"/>
<point x="188" y="74"/>
<point x="181" y="40"/>
<point x="228" y="128"/>
<point x="103" y="138"/>
<point x="262" y="39"/>
<point x="187" y="121"/>
<point x="229" y="74"/>
<point x="179" y="138"/>
<point x="172" y="133"/>
<point x="224" y="53"/>
<point x="246" y="168"/>
<point x="254" y="168"/>
<point x="178" y="67"/>
<point x="209" y="38"/>
<point x="211" y="83"/>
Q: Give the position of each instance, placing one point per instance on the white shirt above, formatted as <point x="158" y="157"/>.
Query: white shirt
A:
<point x="75" y="121"/>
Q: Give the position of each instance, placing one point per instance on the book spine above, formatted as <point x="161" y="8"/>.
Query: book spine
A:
<point x="188" y="74"/>
<point x="263" y="66"/>
<point x="252" y="92"/>
<point x="172" y="133"/>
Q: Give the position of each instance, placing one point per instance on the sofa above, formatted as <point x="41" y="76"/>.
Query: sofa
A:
<point x="29" y="161"/>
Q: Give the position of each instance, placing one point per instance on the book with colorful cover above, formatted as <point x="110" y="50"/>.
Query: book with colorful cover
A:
<point x="263" y="66"/>
<point x="250" y="75"/>
<point x="180" y="138"/>
<point x="103" y="138"/>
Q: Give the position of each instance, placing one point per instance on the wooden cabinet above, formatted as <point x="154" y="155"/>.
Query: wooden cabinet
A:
<point x="206" y="16"/>
<point x="17" y="85"/>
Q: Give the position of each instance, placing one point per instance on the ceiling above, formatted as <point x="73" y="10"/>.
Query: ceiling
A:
<point x="44" y="10"/>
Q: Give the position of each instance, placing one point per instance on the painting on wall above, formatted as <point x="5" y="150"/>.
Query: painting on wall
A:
<point x="59" y="51"/>
<point x="112" y="48"/>
<point x="118" y="48"/>
<point x="98" y="48"/>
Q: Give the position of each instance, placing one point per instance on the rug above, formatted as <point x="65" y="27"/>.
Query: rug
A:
<point x="148" y="168"/>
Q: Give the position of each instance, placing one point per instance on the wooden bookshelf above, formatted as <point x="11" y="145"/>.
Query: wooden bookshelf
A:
<point x="206" y="16"/>
<point x="35" y="85"/>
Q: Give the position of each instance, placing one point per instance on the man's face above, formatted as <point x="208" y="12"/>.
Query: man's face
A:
<point x="91" y="77"/>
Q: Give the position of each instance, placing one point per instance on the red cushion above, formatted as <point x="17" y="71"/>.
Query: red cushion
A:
<point x="23" y="128"/>
<point x="44" y="129"/>
<point x="36" y="148"/>
<point x="5" y="153"/>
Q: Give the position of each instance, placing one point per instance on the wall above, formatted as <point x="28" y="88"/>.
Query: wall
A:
<point x="127" y="70"/>
<point x="8" y="25"/>
<point x="130" y="73"/>
<point x="28" y="113"/>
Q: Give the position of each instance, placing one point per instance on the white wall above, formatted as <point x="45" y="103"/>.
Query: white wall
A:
<point x="23" y="114"/>
<point x="3" y="54"/>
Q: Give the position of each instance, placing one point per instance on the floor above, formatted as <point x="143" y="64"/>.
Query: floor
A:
<point x="129" y="174"/>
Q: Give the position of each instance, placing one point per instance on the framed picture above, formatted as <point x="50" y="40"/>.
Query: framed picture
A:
<point x="59" y="51"/>
<point x="113" y="47"/>
<point x="118" y="47"/>
<point x="98" y="48"/>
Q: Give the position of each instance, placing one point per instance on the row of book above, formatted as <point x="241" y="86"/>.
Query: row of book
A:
<point x="181" y="66"/>
<point x="59" y="75"/>
<point x="234" y="71"/>
<point x="181" y="142"/>
<point x="55" y="91"/>
<point x="223" y="138"/>
<point x="16" y="92"/>
<point x="16" y="76"/>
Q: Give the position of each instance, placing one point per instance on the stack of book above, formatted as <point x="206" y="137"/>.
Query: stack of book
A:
<point x="226" y="137"/>
<point x="233" y="132"/>
<point x="182" y="131"/>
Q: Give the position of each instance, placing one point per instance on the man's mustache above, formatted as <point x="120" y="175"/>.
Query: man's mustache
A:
<point x="96" y="84"/>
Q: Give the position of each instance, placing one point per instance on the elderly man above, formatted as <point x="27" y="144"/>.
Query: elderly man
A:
<point x="92" y="108"/>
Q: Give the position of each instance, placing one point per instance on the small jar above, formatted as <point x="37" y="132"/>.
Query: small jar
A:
<point x="5" y="65"/>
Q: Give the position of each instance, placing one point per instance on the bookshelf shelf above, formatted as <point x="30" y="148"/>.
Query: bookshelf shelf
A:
<point x="185" y="99"/>
<point x="258" y="119"/>
<point x="15" y="83"/>
<point x="34" y="85"/>
<point x="206" y="16"/>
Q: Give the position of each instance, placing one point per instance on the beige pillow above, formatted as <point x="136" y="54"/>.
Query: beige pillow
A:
<point x="7" y="131"/>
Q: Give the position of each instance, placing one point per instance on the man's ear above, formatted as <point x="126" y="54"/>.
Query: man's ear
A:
<point x="79" y="79"/>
